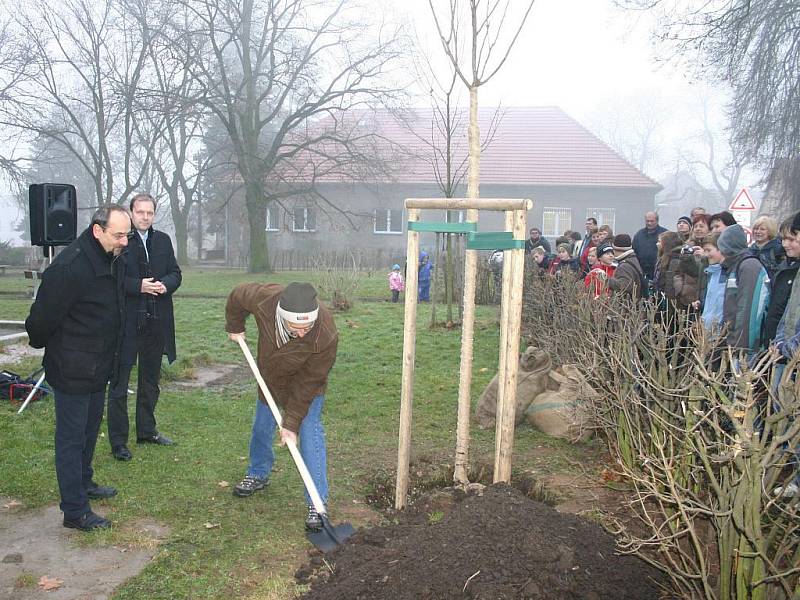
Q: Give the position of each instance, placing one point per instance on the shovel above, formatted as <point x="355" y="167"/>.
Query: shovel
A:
<point x="330" y="536"/>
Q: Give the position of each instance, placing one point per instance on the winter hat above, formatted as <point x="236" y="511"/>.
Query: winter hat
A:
<point x="732" y="241"/>
<point x="622" y="242"/>
<point x="603" y="248"/>
<point x="298" y="303"/>
<point x="685" y="219"/>
<point x="395" y="267"/>
<point x="564" y="247"/>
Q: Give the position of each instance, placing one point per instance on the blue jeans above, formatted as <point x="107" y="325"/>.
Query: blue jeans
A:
<point x="78" y="419"/>
<point x="312" y="445"/>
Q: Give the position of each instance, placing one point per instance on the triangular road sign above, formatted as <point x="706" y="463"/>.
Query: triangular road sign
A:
<point x="743" y="201"/>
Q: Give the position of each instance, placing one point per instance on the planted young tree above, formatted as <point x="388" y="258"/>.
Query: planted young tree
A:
<point x="480" y="28"/>
<point x="447" y="157"/>
<point x="269" y="73"/>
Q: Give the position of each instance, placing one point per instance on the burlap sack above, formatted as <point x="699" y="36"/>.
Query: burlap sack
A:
<point x="562" y="413"/>
<point x="534" y="364"/>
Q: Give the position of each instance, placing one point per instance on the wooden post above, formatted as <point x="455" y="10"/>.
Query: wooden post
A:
<point x="461" y="462"/>
<point x="505" y="302"/>
<point x="409" y="354"/>
<point x="507" y="384"/>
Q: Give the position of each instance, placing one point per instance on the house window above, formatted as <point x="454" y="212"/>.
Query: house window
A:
<point x="272" y="217"/>
<point x="388" y="220"/>
<point x="303" y="219"/>
<point x="555" y="221"/>
<point x="604" y="216"/>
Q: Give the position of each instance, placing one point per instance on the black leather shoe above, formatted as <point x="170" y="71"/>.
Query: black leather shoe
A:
<point x="121" y="452"/>
<point x="88" y="522"/>
<point x="156" y="439"/>
<point x="99" y="492"/>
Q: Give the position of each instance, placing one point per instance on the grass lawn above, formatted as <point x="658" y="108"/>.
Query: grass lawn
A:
<point x="253" y="545"/>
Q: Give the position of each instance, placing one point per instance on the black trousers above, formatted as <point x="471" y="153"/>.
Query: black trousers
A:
<point x="149" y="349"/>
<point x="78" y="419"/>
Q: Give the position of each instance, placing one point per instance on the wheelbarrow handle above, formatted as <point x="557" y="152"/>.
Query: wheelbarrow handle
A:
<point x="316" y="500"/>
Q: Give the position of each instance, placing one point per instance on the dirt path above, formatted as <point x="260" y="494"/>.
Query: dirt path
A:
<point x="34" y="544"/>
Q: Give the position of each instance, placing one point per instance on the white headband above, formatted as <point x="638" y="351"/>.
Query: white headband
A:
<point x="300" y="318"/>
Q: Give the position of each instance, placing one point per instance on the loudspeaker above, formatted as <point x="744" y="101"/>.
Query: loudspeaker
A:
<point x="53" y="214"/>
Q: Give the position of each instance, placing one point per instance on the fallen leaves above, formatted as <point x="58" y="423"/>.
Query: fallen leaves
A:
<point x="210" y="525"/>
<point x="49" y="584"/>
<point x="12" y="504"/>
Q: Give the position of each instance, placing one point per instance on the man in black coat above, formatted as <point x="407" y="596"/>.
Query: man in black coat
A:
<point x="535" y="239"/>
<point x="644" y="244"/>
<point x="152" y="276"/>
<point x="77" y="318"/>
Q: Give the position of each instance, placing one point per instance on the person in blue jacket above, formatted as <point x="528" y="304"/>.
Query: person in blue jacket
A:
<point x="424" y="281"/>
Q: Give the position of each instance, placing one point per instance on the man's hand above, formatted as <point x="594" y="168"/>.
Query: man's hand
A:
<point x="287" y="436"/>
<point x="235" y="337"/>
<point x="153" y="287"/>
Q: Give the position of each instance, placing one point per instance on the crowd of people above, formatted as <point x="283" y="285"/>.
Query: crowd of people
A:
<point x="704" y="269"/>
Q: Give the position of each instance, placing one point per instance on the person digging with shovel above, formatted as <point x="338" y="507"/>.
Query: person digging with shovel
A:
<point x="297" y="341"/>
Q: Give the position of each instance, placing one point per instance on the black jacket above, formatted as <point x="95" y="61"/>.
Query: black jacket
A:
<point x="78" y="315"/>
<point x="780" y="290"/>
<point x="644" y="246"/>
<point x="542" y="241"/>
<point x="628" y="276"/>
<point x="164" y="268"/>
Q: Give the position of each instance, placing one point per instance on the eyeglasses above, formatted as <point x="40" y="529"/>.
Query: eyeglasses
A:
<point x="121" y="235"/>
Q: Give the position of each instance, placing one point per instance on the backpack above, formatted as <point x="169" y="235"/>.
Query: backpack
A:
<point x="16" y="388"/>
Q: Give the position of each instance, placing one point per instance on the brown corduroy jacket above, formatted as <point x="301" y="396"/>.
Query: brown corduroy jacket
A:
<point x="297" y="372"/>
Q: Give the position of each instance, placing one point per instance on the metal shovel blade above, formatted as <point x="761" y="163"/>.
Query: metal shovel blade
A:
<point x="330" y="536"/>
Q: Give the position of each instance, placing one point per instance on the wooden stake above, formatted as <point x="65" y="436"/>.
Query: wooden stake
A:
<point x="461" y="462"/>
<point x="409" y="354"/>
<point x="505" y="302"/>
<point x="504" y="444"/>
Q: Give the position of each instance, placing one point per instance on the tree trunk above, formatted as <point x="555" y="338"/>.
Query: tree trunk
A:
<point x="257" y="219"/>
<point x="181" y="237"/>
<point x="460" y="474"/>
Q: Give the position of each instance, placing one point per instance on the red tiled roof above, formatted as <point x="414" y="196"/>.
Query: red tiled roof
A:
<point x="531" y="146"/>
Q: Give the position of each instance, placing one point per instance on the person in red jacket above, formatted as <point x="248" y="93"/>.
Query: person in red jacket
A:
<point x="596" y="279"/>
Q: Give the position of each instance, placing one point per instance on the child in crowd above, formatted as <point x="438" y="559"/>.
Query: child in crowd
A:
<point x="711" y="302"/>
<point x="424" y="281"/>
<point x="781" y="282"/>
<point x="746" y="291"/>
<point x="563" y="262"/>
<point x="596" y="279"/>
<point x="396" y="283"/>
<point x="541" y="259"/>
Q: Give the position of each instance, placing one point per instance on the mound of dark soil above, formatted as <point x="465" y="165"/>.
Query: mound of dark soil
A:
<point x="495" y="545"/>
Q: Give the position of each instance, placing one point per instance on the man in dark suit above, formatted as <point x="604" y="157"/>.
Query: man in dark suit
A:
<point x="152" y="276"/>
<point x="77" y="318"/>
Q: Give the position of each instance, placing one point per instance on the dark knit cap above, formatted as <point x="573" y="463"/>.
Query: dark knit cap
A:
<point x="298" y="303"/>
<point x="603" y="248"/>
<point x="732" y="241"/>
<point x="686" y="220"/>
<point x="622" y="241"/>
